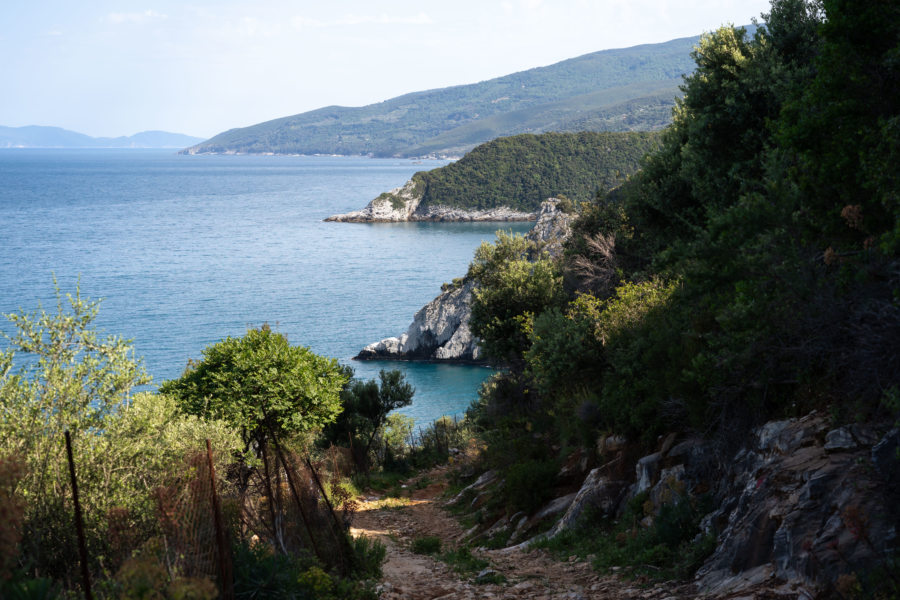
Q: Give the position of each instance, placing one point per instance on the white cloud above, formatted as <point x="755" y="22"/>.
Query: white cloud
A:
<point x="136" y="17"/>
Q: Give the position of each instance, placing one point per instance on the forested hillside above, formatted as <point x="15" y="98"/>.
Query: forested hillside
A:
<point x="750" y="271"/>
<point x="611" y="90"/>
<point x="522" y="171"/>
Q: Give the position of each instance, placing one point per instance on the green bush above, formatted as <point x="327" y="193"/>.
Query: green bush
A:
<point x="368" y="558"/>
<point x="426" y="545"/>
<point x="528" y="485"/>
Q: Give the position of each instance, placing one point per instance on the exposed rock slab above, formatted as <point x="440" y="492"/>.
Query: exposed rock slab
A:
<point x="800" y="505"/>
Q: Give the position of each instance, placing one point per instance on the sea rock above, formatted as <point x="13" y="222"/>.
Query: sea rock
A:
<point x="405" y="204"/>
<point x="440" y="330"/>
<point x="397" y="205"/>
<point x="553" y="227"/>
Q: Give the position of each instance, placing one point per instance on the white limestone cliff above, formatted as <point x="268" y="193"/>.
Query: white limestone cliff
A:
<point x="440" y="330"/>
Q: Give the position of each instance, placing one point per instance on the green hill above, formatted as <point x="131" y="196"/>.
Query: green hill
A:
<point x="522" y="171"/>
<point x="630" y="89"/>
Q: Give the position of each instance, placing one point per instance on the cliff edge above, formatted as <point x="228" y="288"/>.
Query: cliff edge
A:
<point x="440" y="330"/>
<point x="405" y="204"/>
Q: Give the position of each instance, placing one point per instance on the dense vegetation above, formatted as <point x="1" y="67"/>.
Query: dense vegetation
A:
<point x="211" y="486"/>
<point x="628" y="89"/>
<point x="524" y="170"/>
<point x="750" y="270"/>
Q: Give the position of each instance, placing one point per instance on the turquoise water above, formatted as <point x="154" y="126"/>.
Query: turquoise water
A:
<point x="186" y="250"/>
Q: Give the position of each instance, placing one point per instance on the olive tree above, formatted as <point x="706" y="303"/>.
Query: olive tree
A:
<point x="58" y="373"/>
<point x="262" y="385"/>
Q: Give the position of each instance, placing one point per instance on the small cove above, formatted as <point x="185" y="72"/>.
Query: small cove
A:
<point x="186" y="250"/>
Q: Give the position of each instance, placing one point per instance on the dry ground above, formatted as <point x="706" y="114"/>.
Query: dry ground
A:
<point x="528" y="574"/>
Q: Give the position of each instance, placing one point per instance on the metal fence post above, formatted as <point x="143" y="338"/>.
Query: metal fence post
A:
<point x="79" y="524"/>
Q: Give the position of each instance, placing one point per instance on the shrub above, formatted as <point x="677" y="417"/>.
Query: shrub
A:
<point x="426" y="545"/>
<point x="529" y="485"/>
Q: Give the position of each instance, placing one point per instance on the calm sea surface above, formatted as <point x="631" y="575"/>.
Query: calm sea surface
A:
<point x="187" y="250"/>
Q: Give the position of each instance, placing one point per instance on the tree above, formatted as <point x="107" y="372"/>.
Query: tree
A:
<point x="70" y="379"/>
<point x="261" y="385"/>
<point x="514" y="283"/>
<point x="366" y="407"/>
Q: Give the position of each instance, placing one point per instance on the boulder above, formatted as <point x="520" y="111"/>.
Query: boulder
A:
<point x="597" y="492"/>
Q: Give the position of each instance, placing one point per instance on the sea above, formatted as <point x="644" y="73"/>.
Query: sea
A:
<point x="184" y="251"/>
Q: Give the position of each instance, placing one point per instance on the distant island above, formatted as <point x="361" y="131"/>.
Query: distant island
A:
<point x="507" y="179"/>
<point x="36" y="136"/>
<point x="630" y="89"/>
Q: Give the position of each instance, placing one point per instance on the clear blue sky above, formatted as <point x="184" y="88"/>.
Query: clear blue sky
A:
<point x="109" y="68"/>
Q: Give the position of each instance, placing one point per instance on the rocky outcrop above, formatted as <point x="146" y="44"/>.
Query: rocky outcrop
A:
<point x="803" y="508"/>
<point x="405" y="204"/>
<point x="803" y="504"/>
<point x="440" y="330"/>
<point x="552" y="228"/>
<point x="397" y="205"/>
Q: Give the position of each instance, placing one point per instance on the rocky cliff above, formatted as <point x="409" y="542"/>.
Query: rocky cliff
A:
<point x="440" y="330"/>
<point x="405" y="204"/>
<point x="803" y="509"/>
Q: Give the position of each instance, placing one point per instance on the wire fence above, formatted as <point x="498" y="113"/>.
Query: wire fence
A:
<point x="283" y="501"/>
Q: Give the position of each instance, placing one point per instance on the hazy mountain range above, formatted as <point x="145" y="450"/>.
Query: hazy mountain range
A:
<point x="630" y="89"/>
<point x="35" y="136"/>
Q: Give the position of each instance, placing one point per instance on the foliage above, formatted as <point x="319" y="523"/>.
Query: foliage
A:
<point x="749" y="271"/>
<point x="59" y="375"/>
<point x="393" y="447"/>
<point x="462" y="561"/>
<point x="522" y="171"/>
<point x="665" y="549"/>
<point x="366" y="405"/>
<point x="261" y="385"/>
<point x="434" y="444"/>
<point x="510" y="290"/>
<point x="29" y="588"/>
<point x="145" y="576"/>
<point x="732" y="278"/>
<point x="260" y="573"/>
<point x="12" y="513"/>
<point x="369" y="555"/>
<point x="529" y="484"/>
<point x="430" y="544"/>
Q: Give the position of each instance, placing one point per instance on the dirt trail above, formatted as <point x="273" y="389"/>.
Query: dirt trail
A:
<point x="528" y="574"/>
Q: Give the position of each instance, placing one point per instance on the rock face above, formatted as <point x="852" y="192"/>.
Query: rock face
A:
<point x="397" y="205"/>
<point x="552" y="228"/>
<point x="440" y="330"/>
<point x="802" y="507"/>
<point x="802" y="503"/>
<point x="405" y="204"/>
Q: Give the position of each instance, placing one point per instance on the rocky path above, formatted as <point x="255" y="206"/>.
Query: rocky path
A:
<point x="526" y="574"/>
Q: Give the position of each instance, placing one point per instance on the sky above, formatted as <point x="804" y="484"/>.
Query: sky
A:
<point x="200" y="67"/>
